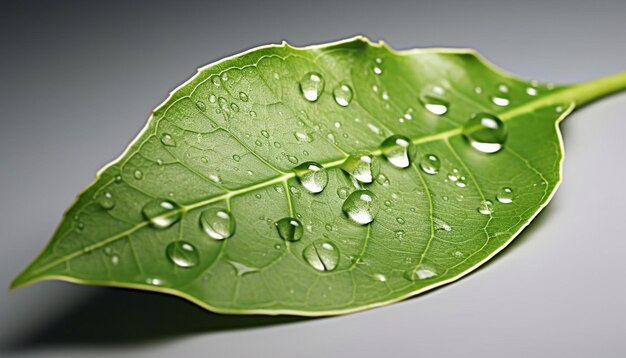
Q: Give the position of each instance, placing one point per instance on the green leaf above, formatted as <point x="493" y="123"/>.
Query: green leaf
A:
<point x="320" y="180"/>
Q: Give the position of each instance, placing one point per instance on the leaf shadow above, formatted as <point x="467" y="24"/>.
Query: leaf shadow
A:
<point x="123" y="317"/>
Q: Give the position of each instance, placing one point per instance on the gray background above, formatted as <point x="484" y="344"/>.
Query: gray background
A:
<point x="78" y="81"/>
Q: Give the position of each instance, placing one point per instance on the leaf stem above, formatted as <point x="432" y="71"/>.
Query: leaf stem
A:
<point x="590" y="91"/>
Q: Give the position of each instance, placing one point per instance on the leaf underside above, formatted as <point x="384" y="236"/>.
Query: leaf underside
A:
<point x="230" y="138"/>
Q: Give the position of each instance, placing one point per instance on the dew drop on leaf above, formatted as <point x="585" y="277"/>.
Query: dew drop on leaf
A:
<point x="505" y="195"/>
<point x="396" y="150"/>
<point x="312" y="176"/>
<point x="311" y="86"/>
<point x="343" y="94"/>
<point x="430" y="164"/>
<point x="289" y="229"/>
<point x="138" y="174"/>
<point x="218" y="223"/>
<point x="361" y="206"/>
<point x="243" y="96"/>
<point x="182" y="254"/>
<point x="168" y="140"/>
<point x="531" y="91"/>
<point x="363" y="166"/>
<point x="500" y="100"/>
<point x="485" y="132"/>
<point x="486" y="207"/>
<point x="321" y="255"/>
<point x="434" y="102"/>
<point x="161" y="213"/>
<point x="343" y="192"/>
<point x="106" y="201"/>
<point x="421" y="272"/>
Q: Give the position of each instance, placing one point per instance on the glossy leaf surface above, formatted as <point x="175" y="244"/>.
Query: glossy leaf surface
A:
<point x="320" y="180"/>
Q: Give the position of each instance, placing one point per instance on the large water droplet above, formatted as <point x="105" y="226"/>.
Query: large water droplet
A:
<point x="361" y="206"/>
<point x="321" y="255"/>
<point x="500" y="101"/>
<point x="168" y="140"/>
<point x="312" y="176"/>
<point x="218" y="223"/>
<point x="106" y="201"/>
<point x="161" y="213"/>
<point x="485" y="132"/>
<point x="421" y="272"/>
<point x="505" y="195"/>
<point x="430" y="164"/>
<point x="182" y="253"/>
<point x="433" y="102"/>
<point x="363" y="166"/>
<point x="486" y="207"/>
<point x="396" y="150"/>
<point x="289" y="229"/>
<point x="312" y="85"/>
<point x="343" y="94"/>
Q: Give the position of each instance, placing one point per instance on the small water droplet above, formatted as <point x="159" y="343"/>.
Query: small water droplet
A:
<point x="234" y="107"/>
<point x="441" y="225"/>
<point x="377" y="70"/>
<point x="303" y="137"/>
<point x="312" y="85"/>
<point x="343" y="94"/>
<point x="431" y="98"/>
<point x="421" y="272"/>
<point x="361" y="207"/>
<point x="218" y="223"/>
<point x="236" y="157"/>
<point x="396" y="150"/>
<point x="182" y="254"/>
<point x="106" y="201"/>
<point x="430" y="164"/>
<point x="505" y="195"/>
<point x="138" y="174"/>
<point x="500" y="100"/>
<point x="486" y="207"/>
<point x="265" y="133"/>
<point x="289" y="229"/>
<point x="312" y="176"/>
<point x="363" y="166"/>
<point x="382" y="179"/>
<point x="503" y="88"/>
<point x="243" y="96"/>
<point x="485" y="132"/>
<point x="115" y="259"/>
<point x="215" y="178"/>
<point x="321" y="255"/>
<point x="161" y="213"/>
<point x="201" y="106"/>
<point x="379" y="277"/>
<point x="242" y="269"/>
<point x="531" y="91"/>
<point x="343" y="192"/>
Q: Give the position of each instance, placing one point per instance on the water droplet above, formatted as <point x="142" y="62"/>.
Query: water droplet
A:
<point x="377" y="70"/>
<point x="343" y="94"/>
<point x="379" y="277"/>
<point x="312" y="176"/>
<point x="242" y="269"/>
<point x="421" y="272"/>
<point x="361" y="207"/>
<point x="396" y="150"/>
<point x="215" y="178"/>
<point x="531" y="91"/>
<point x="236" y="157"/>
<point x="201" y="106"/>
<point x="243" y="96"/>
<point x="106" y="201"/>
<point x="321" y="255"/>
<point x="303" y="137"/>
<point x="115" y="259"/>
<point x="312" y="85"/>
<point x="486" y="207"/>
<point x="432" y="100"/>
<point x="505" y="195"/>
<point x="265" y="133"/>
<point x="461" y="182"/>
<point x="289" y="229"/>
<point x="182" y="253"/>
<point x="155" y="281"/>
<point x="161" y="213"/>
<point x="138" y="174"/>
<point x="374" y="129"/>
<point x="363" y="166"/>
<point x="441" y="225"/>
<point x="503" y="88"/>
<point x="383" y="180"/>
<point x="218" y="223"/>
<point x="500" y="101"/>
<point x="485" y="132"/>
<point x="234" y="107"/>
<point x="343" y="192"/>
<point x="430" y="164"/>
